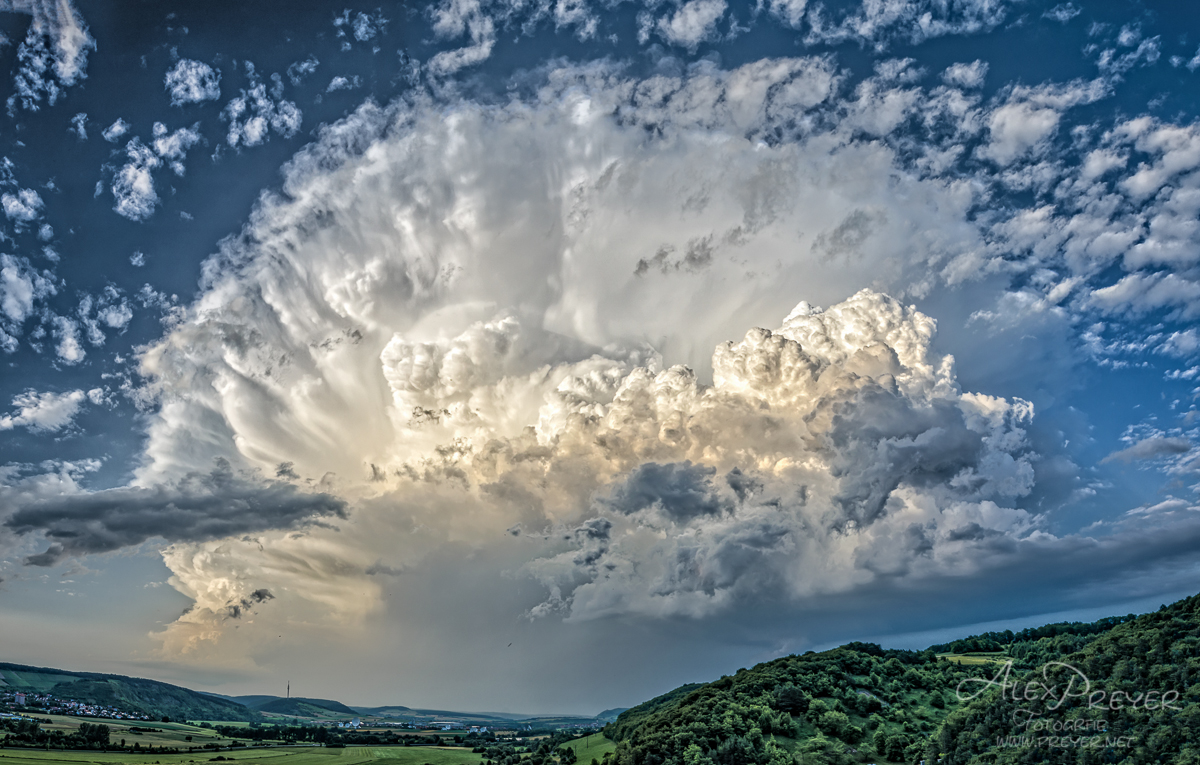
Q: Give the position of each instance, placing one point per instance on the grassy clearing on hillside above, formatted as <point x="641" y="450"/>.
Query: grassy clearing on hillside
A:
<point x="968" y="659"/>
<point x="354" y="755"/>
<point x="589" y="747"/>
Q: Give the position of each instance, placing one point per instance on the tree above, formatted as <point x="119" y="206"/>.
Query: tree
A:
<point x="790" y="699"/>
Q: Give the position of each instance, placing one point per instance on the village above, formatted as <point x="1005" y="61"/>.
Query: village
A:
<point x="14" y="702"/>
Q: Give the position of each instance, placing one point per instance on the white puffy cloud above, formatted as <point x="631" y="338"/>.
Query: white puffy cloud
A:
<point x="966" y="75"/>
<point x="298" y="70"/>
<point x="688" y="23"/>
<point x="692" y="23"/>
<point x="1185" y="343"/>
<point x="914" y="21"/>
<point x="453" y="19"/>
<point x="1141" y="293"/>
<point x="191" y="82"/>
<point x="133" y="184"/>
<point x="18" y="290"/>
<point x="1032" y="115"/>
<point x="361" y="26"/>
<point x="753" y="505"/>
<point x="115" y="130"/>
<point x="480" y="20"/>
<point x="1063" y="12"/>
<point x="791" y="12"/>
<point x="46" y="412"/>
<point x="69" y="349"/>
<point x="21" y="287"/>
<point x="110" y="310"/>
<point x="254" y="114"/>
<point x="79" y="125"/>
<point x="1115" y="62"/>
<point x="342" y="83"/>
<point x="24" y="207"/>
<point x="53" y="54"/>
<point x="172" y="147"/>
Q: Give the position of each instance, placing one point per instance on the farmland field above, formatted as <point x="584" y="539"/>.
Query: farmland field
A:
<point x="157" y="734"/>
<point x="356" y="755"/>
<point x="419" y="755"/>
<point x="591" y="747"/>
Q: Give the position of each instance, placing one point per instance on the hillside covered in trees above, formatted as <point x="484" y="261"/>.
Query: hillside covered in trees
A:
<point x="128" y="694"/>
<point x="1119" y="690"/>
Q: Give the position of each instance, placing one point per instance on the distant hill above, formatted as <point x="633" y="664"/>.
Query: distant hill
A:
<point x="304" y="707"/>
<point x="250" y="701"/>
<point x="293" y="706"/>
<point x="128" y="694"/>
<point x="611" y="714"/>
<point x="388" y="711"/>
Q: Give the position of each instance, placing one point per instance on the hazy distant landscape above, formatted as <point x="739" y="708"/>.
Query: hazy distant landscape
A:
<point x="961" y="702"/>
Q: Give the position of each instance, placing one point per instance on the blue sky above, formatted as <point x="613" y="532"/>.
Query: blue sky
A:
<point x="666" y="336"/>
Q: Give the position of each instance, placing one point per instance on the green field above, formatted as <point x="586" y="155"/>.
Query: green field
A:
<point x="419" y="755"/>
<point x="164" y="734"/>
<point x="355" y="755"/>
<point x="591" y="747"/>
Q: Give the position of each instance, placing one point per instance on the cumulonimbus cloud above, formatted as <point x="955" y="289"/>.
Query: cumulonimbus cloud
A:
<point x="460" y="319"/>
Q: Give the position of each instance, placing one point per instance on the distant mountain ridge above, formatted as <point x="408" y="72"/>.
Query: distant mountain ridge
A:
<point x="128" y="694"/>
<point x="156" y="699"/>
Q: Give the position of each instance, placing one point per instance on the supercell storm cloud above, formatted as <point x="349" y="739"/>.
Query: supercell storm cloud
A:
<point x="591" y="321"/>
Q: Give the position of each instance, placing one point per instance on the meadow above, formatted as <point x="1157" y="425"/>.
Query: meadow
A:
<point x="591" y="747"/>
<point x="156" y="734"/>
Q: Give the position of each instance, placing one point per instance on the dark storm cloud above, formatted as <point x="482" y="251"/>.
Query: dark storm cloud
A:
<point x="199" y="507"/>
<point x="681" y="489"/>
<point x="740" y="557"/>
<point x="596" y="528"/>
<point x="882" y="439"/>
<point x="378" y="568"/>
<point x="243" y="605"/>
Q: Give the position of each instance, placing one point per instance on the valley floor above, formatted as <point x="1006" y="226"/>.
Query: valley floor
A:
<point x="354" y="755"/>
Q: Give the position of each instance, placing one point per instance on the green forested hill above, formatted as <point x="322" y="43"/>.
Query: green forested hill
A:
<point x="128" y="694"/>
<point x="1134" y="700"/>
<point x="851" y="704"/>
<point x="631" y="718"/>
<point x="304" y="707"/>
<point x="861" y="704"/>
